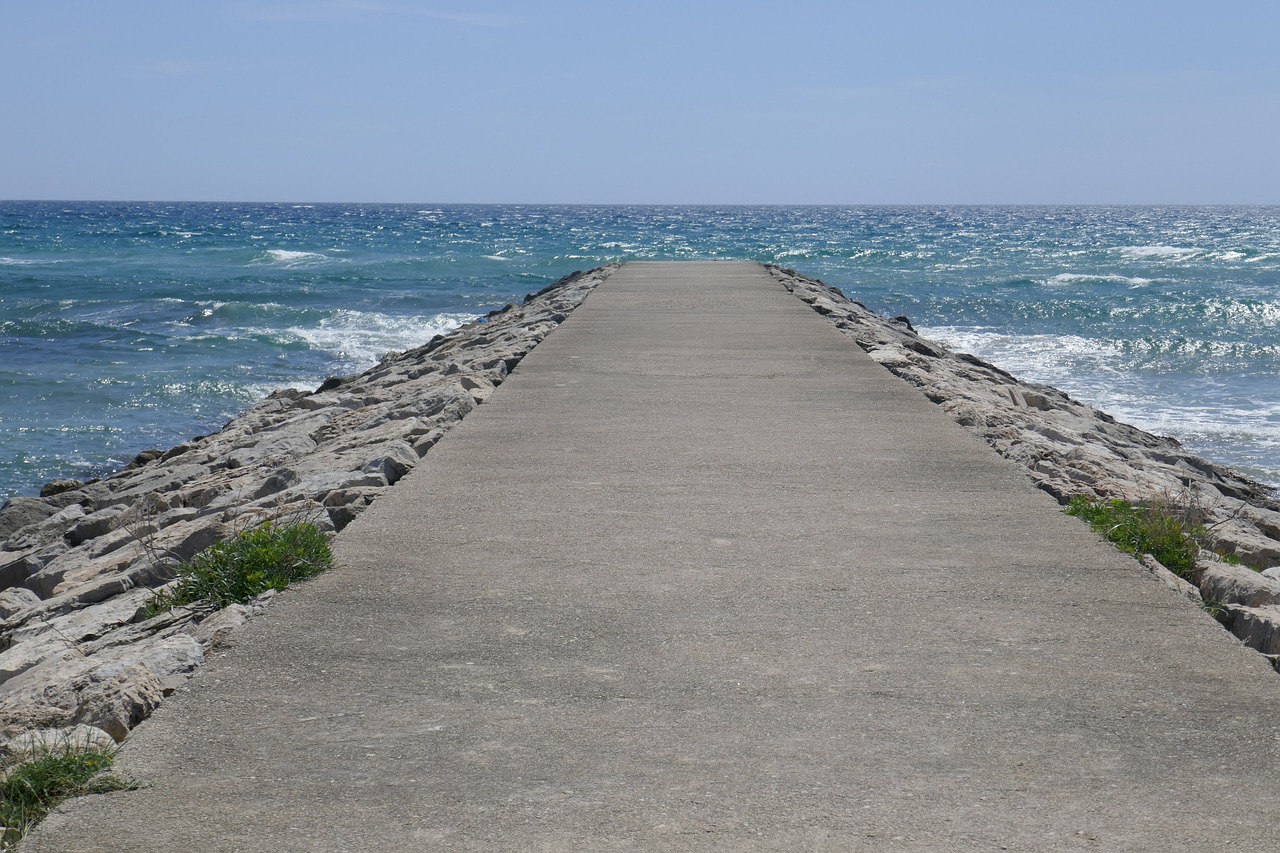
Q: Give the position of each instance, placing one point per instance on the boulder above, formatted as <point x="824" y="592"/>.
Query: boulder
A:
<point x="57" y="487"/>
<point x="396" y="461"/>
<point x="1230" y="584"/>
<point x="46" y="531"/>
<point x="15" y="600"/>
<point x="18" y="513"/>
<point x="113" y="690"/>
<point x="95" y="524"/>
<point x="1257" y="627"/>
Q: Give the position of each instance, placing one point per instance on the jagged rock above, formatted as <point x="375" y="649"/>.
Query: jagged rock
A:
<point x="1257" y="627"/>
<point x="24" y="655"/>
<point x="398" y="461"/>
<point x="46" y="531"/>
<point x="15" y="600"/>
<point x="427" y="441"/>
<point x="214" y="630"/>
<point x="18" y="513"/>
<point x="94" y="525"/>
<point x="146" y="456"/>
<point x="113" y="690"/>
<point x="478" y="387"/>
<point x="1228" y="584"/>
<point x="70" y="568"/>
<point x="318" y="486"/>
<point x="14" y="569"/>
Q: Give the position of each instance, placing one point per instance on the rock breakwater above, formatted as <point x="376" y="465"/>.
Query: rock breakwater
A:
<point x="1069" y="449"/>
<point x="79" y="564"/>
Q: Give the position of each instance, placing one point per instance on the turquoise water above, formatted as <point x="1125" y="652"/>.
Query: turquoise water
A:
<point x="126" y="326"/>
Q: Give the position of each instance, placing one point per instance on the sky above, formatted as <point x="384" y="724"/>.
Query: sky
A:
<point x="655" y="102"/>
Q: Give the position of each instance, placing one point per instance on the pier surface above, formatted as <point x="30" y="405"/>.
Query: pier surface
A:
<point x="701" y="575"/>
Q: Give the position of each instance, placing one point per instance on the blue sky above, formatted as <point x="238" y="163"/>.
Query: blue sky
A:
<point x="805" y="101"/>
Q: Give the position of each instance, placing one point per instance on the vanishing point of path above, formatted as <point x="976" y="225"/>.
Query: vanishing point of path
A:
<point x="702" y="576"/>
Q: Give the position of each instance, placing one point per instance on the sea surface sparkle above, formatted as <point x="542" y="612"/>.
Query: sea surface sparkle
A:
<point x="132" y="325"/>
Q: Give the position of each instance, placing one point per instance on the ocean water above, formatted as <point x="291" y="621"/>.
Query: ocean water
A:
<point x="125" y="326"/>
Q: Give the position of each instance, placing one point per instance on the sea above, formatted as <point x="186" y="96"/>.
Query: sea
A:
<point x="126" y="326"/>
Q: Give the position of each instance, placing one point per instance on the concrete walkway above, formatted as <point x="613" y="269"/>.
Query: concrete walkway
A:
<point x="702" y="576"/>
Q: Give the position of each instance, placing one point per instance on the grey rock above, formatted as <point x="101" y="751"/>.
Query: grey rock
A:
<point x="15" y="600"/>
<point x="398" y="460"/>
<point x="318" y="486"/>
<point x="46" y="531"/>
<point x="14" y="568"/>
<point x="1228" y="584"/>
<point x="213" y="630"/>
<point x="95" y="524"/>
<point x="18" y="513"/>
<point x="1257" y="627"/>
<point x="112" y="690"/>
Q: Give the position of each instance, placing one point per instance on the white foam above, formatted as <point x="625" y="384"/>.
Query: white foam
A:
<point x="1040" y="358"/>
<point x="361" y="338"/>
<point x="1174" y="253"/>
<point x="292" y="259"/>
<point x="1244" y="312"/>
<point x="1083" y="278"/>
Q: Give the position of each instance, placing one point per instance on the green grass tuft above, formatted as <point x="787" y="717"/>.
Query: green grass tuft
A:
<point x="1139" y="530"/>
<point x="31" y="788"/>
<point x="236" y="569"/>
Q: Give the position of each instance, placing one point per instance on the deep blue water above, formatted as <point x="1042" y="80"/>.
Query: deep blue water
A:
<point x="125" y="326"/>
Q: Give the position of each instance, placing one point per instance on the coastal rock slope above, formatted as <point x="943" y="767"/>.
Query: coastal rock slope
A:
<point x="1070" y="449"/>
<point x="79" y="564"/>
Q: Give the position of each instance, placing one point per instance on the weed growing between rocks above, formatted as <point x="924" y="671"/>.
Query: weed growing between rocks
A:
<point x="33" y="786"/>
<point x="1172" y="538"/>
<point x="270" y="556"/>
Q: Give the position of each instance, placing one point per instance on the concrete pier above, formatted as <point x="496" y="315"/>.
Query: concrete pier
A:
<point x="700" y="575"/>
